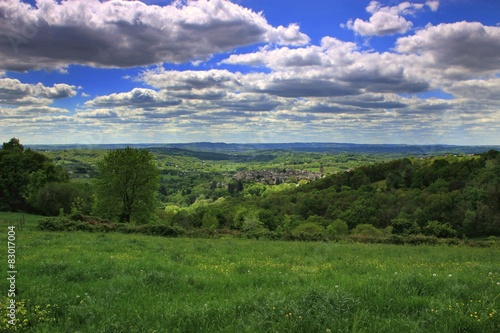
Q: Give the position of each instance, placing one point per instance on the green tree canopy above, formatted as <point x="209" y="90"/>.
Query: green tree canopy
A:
<point x="23" y="172"/>
<point x="126" y="185"/>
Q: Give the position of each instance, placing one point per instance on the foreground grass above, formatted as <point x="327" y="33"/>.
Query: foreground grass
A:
<point x="84" y="282"/>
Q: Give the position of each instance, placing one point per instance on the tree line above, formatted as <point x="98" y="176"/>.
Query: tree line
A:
<point x="443" y="197"/>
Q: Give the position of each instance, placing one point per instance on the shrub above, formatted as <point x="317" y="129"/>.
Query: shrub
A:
<point x="53" y="197"/>
<point x="435" y="228"/>
<point x="405" y="226"/>
<point x="309" y="231"/>
<point x="157" y="230"/>
<point x="366" y="230"/>
<point x="338" y="228"/>
<point x="78" y="222"/>
<point x="210" y="221"/>
<point x="367" y="233"/>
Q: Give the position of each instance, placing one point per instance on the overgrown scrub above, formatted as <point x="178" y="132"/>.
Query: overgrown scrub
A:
<point x="304" y="232"/>
<point x="78" y="222"/>
<point x="116" y="282"/>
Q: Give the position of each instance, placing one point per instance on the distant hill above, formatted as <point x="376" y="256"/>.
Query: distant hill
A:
<point x="326" y="147"/>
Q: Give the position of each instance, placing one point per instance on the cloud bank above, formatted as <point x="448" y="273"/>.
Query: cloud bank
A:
<point x="128" y="33"/>
<point x="437" y="84"/>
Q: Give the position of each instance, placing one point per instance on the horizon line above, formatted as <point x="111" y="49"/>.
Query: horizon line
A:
<point x="260" y="143"/>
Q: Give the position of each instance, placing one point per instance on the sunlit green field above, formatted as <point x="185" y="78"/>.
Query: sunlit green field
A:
<point x="84" y="282"/>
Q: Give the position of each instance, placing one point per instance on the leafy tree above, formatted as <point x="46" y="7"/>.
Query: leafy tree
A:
<point x="309" y="231"/>
<point x="290" y="222"/>
<point x="434" y="228"/>
<point x="53" y="197"/>
<point x="210" y="221"/>
<point x="47" y="173"/>
<point x="319" y="220"/>
<point x="469" y="223"/>
<point x="255" y="189"/>
<point x="251" y="222"/>
<point x="363" y="211"/>
<point x="358" y="178"/>
<point x="394" y="180"/>
<point x="338" y="228"/>
<point x="439" y="205"/>
<point x="184" y="219"/>
<point x="420" y="216"/>
<point x="13" y="145"/>
<point x="23" y="173"/>
<point x="366" y="229"/>
<point x="402" y="225"/>
<point x="126" y="185"/>
<point x="170" y="212"/>
<point x="253" y="227"/>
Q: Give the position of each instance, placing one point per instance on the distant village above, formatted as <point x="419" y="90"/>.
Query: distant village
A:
<point x="276" y="177"/>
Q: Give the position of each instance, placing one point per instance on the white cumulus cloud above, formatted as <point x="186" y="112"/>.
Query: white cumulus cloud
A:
<point x="128" y="33"/>
<point x="458" y="49"/>
<point x="12" y="91"/>
<point x="386" y="20"/>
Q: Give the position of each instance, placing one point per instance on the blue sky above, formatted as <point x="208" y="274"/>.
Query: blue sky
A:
<point x="91" y="72"/>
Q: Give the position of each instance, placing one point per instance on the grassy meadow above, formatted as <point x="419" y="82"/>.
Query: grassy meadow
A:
<point x="98" y="282"/>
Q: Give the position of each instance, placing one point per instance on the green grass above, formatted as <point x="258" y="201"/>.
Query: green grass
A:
<point x="86" y="282"/>
<point x="19" y="220"/>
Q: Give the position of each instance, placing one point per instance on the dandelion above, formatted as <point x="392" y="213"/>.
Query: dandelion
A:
<point x="449" y="275"/>
<point x="434" y="274"/>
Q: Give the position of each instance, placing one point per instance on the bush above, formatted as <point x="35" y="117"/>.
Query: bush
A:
<point x="309" y="231"/>
<point x="53" y="197"/>
<point x="404" y="226"/>
<point x="338" y="228"/>
<point x="366" y="230"/>
<point x="157" y="230"/>
<point x="435" y="228"/>
<point x="78" y="222"/>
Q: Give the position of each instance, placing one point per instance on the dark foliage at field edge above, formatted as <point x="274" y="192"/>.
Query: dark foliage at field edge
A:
<point x="78" y="222"/>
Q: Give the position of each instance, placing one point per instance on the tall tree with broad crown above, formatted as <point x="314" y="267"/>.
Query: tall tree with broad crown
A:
<point x="126" y="185"/>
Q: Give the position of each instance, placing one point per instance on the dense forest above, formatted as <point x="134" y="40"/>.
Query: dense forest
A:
<point x="278" y="194"/>
<point x="444" y="197"/>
